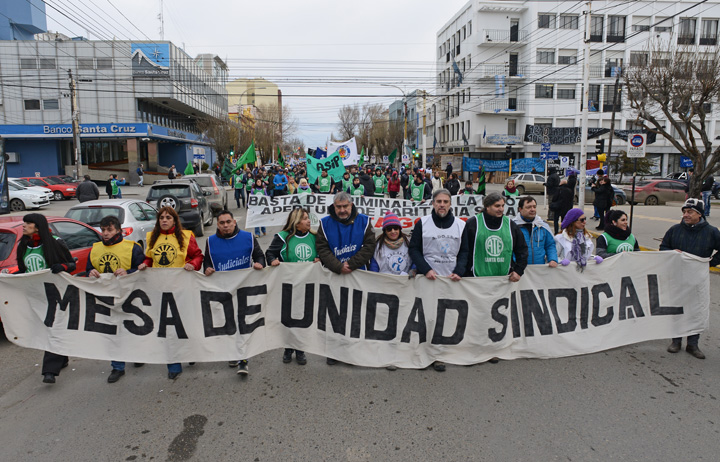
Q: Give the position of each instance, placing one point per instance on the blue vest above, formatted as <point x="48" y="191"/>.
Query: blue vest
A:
<point x="232" y="253"/>
<point x="345" y="240"/>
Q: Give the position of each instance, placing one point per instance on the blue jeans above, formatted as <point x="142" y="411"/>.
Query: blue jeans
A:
<point x="259" y="229"/>
<point x="692" y="340"/>
<point x="597" y="213"/>
<point x="118" y="365"/>
<point x="706" y="200"/>
<point x="175" y="367"/>
<point x="240" y="194"/>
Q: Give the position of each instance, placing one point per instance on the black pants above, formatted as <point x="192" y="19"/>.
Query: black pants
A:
<point x="52" y="363"/>
<point x="602" y="213"/>
<point x="393" y="194"/>
<point x="557" y="219"/>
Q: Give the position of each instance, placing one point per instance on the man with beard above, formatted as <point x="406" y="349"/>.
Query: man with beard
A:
<point x="117" y="256"/>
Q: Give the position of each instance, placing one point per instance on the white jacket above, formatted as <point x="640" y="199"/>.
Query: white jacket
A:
<point x="564" y="243"/>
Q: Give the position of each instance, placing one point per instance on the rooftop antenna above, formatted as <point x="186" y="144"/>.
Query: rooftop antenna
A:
<point x="162" y="21"/>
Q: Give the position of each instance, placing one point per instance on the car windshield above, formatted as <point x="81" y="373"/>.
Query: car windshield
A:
<point x="7" y="242"/>
<point x="93" y="215"/>
<point x="204" y="181"/>
<point x="25" y="183"/>
<point x="176" y="190"/>
<point x="54" y="180"/>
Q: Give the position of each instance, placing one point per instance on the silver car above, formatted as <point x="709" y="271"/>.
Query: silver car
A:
<point x="21" y="183"/>
<point x="137" y="218"/>
<point x="209" y="182"/>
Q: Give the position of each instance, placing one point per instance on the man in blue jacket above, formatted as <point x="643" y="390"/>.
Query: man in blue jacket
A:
<point x="281" y="181"/>
<point x="539" y="238"/>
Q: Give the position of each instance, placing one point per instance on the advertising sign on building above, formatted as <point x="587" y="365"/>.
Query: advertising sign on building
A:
<point x="150" y="59"/>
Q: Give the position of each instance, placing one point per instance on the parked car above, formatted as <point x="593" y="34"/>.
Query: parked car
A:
<point x="60" y="189"/>
<point x="716" y="190"/>
<point x="136" y="217"/>
<point x="620" y="196"/>
<point x="654" y="192"/>
<point x="22" y="198"/>
<point x="66" y="179"/>
<point x="79" y="238"/>
<point x="210" y="182"/>
<point x="20" y="183"/>
<point x="528" y="183"/>
<point x="678" y="176"/>
<point x="189" y="201"/>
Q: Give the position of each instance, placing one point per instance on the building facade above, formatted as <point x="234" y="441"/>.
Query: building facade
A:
<point x="504" y="65"/>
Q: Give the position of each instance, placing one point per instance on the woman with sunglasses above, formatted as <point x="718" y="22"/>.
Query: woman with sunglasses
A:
<point x="575" y="243"/>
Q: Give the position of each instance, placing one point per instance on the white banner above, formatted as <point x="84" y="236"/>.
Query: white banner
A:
<point x="369" y="319"/>
<point x="348" y="151"/>
<point x="273" y="211"/>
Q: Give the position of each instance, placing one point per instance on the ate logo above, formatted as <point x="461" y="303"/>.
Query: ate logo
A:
<point x="494" y="246"/>
<point x="108" y="263"/>
<point x="165" y="254"/>
<point x="303" y="252"/>
<point x="624" y="247"/>
<point x="34" y="262"/>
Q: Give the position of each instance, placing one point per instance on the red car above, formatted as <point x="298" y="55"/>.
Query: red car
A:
<point x="60" y="189"/>
<point x="78" y="236"/>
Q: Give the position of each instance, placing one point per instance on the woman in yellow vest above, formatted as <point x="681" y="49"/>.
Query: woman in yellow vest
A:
<point x="170" y="246"/>
<point x="617" y="237"/>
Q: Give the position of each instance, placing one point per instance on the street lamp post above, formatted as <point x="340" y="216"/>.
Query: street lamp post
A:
<point x="405" y="138"/>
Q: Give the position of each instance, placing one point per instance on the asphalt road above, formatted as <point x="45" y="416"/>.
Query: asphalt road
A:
<point x="632" y="403"/>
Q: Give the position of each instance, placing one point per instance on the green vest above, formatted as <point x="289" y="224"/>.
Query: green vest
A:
<point x="346" y="184"/>
<point x="300" y="190"/>
<point x="359" y="191"/>
<point x="115" y="189"/>
<point x="618" y="246"/>
<point x="257" y="192"/>
<point x="379" y="182"/>
<point x="297" y="249"/>
<point x="493" y="248"/>
<point x="34" y="259"/>
<point x="513" y="194"/>
<point x="237" y="179"/>
<point x="417" y="191"/>
<point x="324" y="184"/>
<point x="465" y="191"/>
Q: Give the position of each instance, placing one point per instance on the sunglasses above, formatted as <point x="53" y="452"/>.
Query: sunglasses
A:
<point x="393" y="228"/>
<point x="582" y="220"/>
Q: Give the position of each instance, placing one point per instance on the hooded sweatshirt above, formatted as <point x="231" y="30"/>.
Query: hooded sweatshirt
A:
<point x="539" y="239"/>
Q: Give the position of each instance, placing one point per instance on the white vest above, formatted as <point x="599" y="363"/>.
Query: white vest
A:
<point x="393" y="261"/>
<point x="441" y="246"/>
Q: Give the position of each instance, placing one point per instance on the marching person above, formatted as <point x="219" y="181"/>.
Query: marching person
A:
<point x="231" y="248"/>
<point x="303" y="188"/>
<point x="324" y="183"/>
<point x="695" y="236"/>
<point x="394" y="185"/>
<point x="281" y="181"/>
<point x="510" y="189"/>
<point x="468" y="189"/>
<point x="392" y="249"/>
<point x="552" y="182"/>
<point x="380" y="182"/>
<point x="617" y="238"/>
<point x="258" y="189"/>
<point x="538" y="237"/>
<point x="706" y="189"/>
<point x="87" y="190"/>
<point x="604" y="194"/>
<point x="346" y="181"/>
<point x="171" y="246"/>
<point x="295" y="243"/>
<point x="118" y="256"/>
<point x="419" y="190"/>
<point x="239" y="182"/>
<point x="575" y="242"/>
<point x="37" y="250"/>
<point x="435" y="243"/>
<point x="437" y="182"/>
<point x="453" y="185"/>
<point x="356" y="189"/>
<point x="345" y="240"/>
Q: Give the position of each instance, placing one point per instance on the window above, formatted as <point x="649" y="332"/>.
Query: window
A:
<point x="464" y="32"/>
<point x="85" y="63"/>
<point x="546" y="21"/>
<point x="596" y="28"/>
<point x="566" y="93"/>
<point x="608" y="95"/>
<point x="640" y="28"/>
<point x="104" y="63"/>
<point x="544" y="91"/>
<point x="28" y="63"/>
<point x="616" y="29"/>
<point x="638" y="58"/>
<point x="546" y="57"/>
<point x="567" y="59"/>
<point x="47" y="63"/>
<point x="613" y="67"/>
<point x="512" y="127"/>
<point x="469" y="28"/>
<point x="75" y="236"/>
<point x="686" y="34"/>
<point x="32" y="104"/>
<point x="663" y="24"/>
<point x="708" y="32"/>
<point x="568" y="21"/>
<point x="594" y="98"/>
<point x="50" y="104"/>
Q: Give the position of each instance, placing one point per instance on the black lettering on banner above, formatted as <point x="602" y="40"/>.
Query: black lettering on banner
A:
<point x="286" y="307"/>
<point x="356" y="315"/>
<point x="514" y="319"/>
<point x="584" y="307"/>
<point x="245" y="310"/>
<point x="415" y="323"/>
<point x="393" y="303"/>
<point x="71" y="299"/>
<point x="629" y="304"/>
<point x="129" y="308"/>
<point x="654" y="295"/>
<point x="502" y="319"/>
<point x="532" y="309"/>
<point x="92" y="309"/>
<point x="228" y="310"/>
<point x="571" y="296"/>
<point x="168" y="302"/>
<point x="327" y="308"/>
<point x="444" y="304"/>
<point x="598" y="320"/>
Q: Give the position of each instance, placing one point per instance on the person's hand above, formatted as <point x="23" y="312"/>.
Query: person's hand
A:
<point x="598" y="259"/>
<point x="317" y="259"/>
<point x="142" y="266"/>
<point x="209" y="271"/>
<point x="455" y="277"/>
<point x="120" y="272"/>
<point x="514" y="277"/>
<point x="275" y="262"/>
<point x="258" y="266"/>
<point x="189" y="267"/>
<point x="552" y="264"/>
<point x="565" y="262"/>
<point x="57" y="268"/>
<point x="432" y="275"/>
<point x="345" y="268"/>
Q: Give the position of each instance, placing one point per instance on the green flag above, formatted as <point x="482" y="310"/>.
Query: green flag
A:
<point x="189" y="170"/>
<point x="281" y="159"/>
<point x="393" y="155"/>
<point x="248" y="158"/>
<point x="332" y="163"/>
<point x="362" y="157"/>
<point x="227" y="168"/>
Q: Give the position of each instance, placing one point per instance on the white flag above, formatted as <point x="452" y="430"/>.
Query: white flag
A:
<point x="347" y="149"/>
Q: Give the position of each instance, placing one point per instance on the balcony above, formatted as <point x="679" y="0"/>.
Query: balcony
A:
<point x="613" y="38"/>
<point x="708" y="40"/>
<point x="504" y="36"/>
<point x="686" y="39"/>
<point x="503" y="106"/>
<point x="489" y="71"/>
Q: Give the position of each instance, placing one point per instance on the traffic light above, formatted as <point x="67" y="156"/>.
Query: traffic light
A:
<point x="599" y="146"/>
<point x="415" y="154"/>
<point x="508" y="150"/>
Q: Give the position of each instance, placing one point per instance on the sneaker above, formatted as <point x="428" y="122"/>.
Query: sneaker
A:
<point x="695" y="351"/>
<point x="138" y="364"/>
<point x="287" y="356"/>
<point x="233" y="363"/>
<point x="300" y="358"/>
<point x="674" y="347"/>
<point x="115" y="375"/>
<point x="439" y="366"/>
<point x="243" y="367"/>
<point x="174" y="375"/>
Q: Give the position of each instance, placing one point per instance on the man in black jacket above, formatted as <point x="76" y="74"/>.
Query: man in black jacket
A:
<point x="367" y="183"/>
<point x="551" y="184"/>
<point x="87" y="190"/>
<point x="707" y="188"/>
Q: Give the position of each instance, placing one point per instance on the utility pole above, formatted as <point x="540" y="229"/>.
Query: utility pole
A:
<point x="424" y="131"/>
<point x="612" y="123"/>
<point x="75" y="126"/>
<point x="586" y="101"/>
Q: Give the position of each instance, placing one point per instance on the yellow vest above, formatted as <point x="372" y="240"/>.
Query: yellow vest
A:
<point x="108" y="258"/>
<point x="166" y="253"/>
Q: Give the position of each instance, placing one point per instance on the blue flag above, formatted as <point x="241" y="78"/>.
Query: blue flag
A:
<point x="320" y="154"/>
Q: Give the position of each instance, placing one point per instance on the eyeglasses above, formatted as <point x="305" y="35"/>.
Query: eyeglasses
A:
<point x="582" y="220"/>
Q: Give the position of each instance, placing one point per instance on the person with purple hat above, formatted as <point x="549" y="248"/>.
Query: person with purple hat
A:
<point x="575" y="243"/>
<point x="392" y="249"/>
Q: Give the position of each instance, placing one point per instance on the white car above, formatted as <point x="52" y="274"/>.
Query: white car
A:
<point x="20" y="183"/>
<point x="22" y="198"/>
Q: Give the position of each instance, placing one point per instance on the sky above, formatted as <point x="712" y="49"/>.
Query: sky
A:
<point x="322" y="54"/>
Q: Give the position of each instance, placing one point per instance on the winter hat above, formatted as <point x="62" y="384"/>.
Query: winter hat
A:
<point x="571" y="217"/>
<point x="391" y="220"/>
<point x="695" y="204"/>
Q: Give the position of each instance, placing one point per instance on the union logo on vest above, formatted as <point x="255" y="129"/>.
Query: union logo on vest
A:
<point x="109" y="263"/>
<point x="494" y="246"/>
<point x="303" y="252"/>
<point x="34" y="262"/>
<point x="624" y="247"/>
<point x="167" y="254"/>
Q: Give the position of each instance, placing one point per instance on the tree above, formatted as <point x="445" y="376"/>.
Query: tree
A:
<point x="348" y="119"/>
<point x="671" y="94"/>
<point x="623" y="165"/>
<point x="222" y="134"/>
<point x="272" y="127"/>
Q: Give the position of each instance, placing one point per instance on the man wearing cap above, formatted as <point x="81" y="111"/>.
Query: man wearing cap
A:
<point x="696" y="236"/>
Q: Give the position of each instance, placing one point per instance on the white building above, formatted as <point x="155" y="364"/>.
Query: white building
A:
<point x="519" y="63"/>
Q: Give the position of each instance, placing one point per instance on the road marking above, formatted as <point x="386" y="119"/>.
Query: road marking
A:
<point x="668" y="220"/>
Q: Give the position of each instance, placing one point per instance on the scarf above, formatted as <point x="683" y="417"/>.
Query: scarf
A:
<point x="510" y="190"/>
<point x="617" y="233"/>
<point x="578" y="251"/>
<point x="394" y="245"/>
<point x="34" y="240"/>
<point x="114" y="240"/>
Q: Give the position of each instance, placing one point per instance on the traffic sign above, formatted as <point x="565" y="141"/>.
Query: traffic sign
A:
<point x="636" y="145"/>
<point x="546" y="155"/>
<point x="565" y="162"/>
<point x="545" y="147"/>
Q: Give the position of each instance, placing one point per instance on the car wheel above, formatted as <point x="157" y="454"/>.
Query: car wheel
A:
<point x="168" y="200"/>
<point x="16" y="205"/>
<point x="521" y="190"/>
<point x="199" y="231"/>
<point x="58" y="196"/>
<point x="717" y="195"/>
<point x="619" y="200"/>
<point x="652" y="200"/>
<point x="210" y="221"/>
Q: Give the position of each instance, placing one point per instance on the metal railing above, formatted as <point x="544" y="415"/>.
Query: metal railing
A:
<point x="504" y="36"/>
